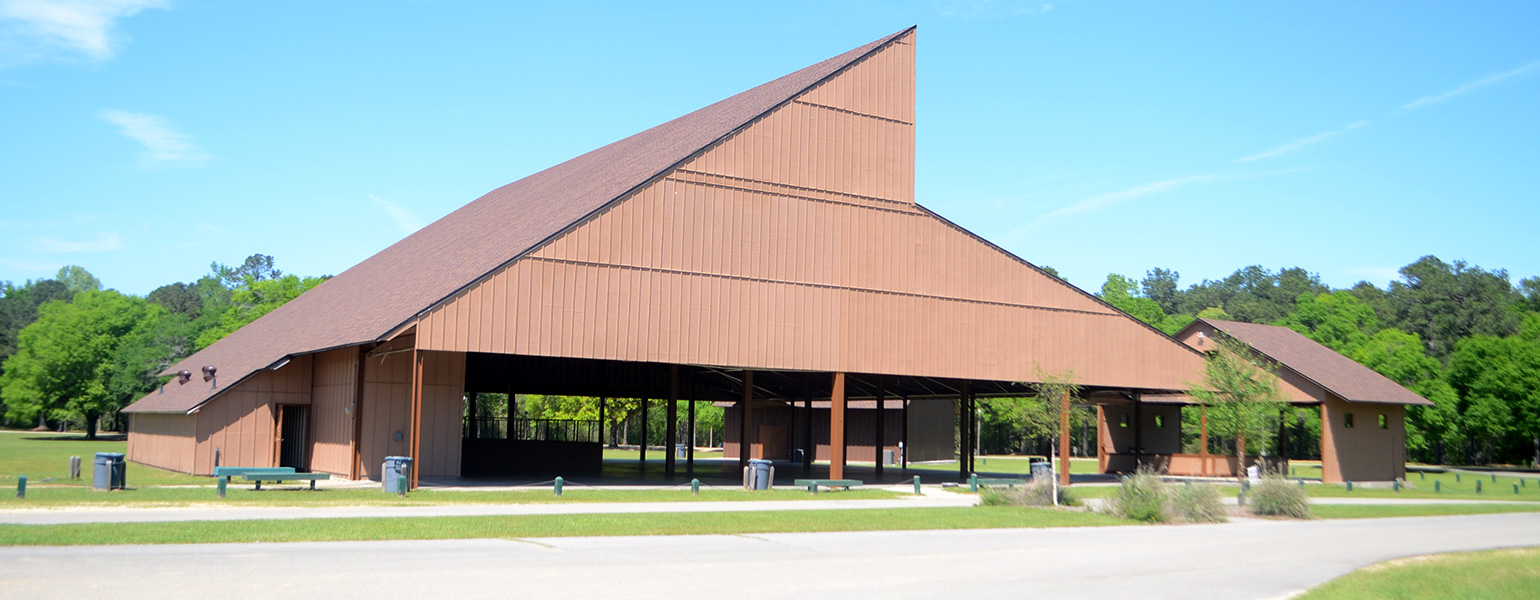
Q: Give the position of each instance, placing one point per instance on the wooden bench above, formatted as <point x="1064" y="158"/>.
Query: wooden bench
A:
<point x="258" y="478"/>
<point x="812" y="485"/>
<point x="977" y="482"/>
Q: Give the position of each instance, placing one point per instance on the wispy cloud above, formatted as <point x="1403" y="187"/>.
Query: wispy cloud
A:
<point x="969" y="10"/>
<point x="162" y="143"/>
<point x="1098" y="202"/>
<point x="33" y="30"/>
<point x="1301" y="143"/>
<point x="405" y="219"/>
<point x="106" y="242"/>
<point x="1471" y="87"/>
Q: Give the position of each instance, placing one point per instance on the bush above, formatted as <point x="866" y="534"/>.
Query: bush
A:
<point x="1275" y="496"/>
<point x="1032" y="493"/>
<point x="1141" y="497"/>
<point x="1197" y="503"/>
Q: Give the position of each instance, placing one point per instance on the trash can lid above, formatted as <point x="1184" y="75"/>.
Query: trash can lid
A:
<point x="109" y="455"/>
<point x="758" y="461"/>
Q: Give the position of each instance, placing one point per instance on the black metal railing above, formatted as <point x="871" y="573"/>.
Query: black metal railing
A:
<point x="540" y="430"/>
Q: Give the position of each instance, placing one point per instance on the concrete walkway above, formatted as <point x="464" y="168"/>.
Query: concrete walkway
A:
<point x="932" y="498"/>
<point x="1244" y="559"/>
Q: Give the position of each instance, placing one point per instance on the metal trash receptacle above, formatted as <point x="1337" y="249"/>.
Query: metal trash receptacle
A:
<point x="1043" y="469"/>
<point x="760" y="474"/>
<point x="887" y="457"/>
<point x="392" y="470"/>
<point x="681" y="451"/>
<point x="108" y="471"/>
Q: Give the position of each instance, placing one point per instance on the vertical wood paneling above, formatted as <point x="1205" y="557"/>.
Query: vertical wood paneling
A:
<point x="332" y="411"/>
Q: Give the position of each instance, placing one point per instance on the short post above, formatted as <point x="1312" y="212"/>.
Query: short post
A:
<point x="1478" y="486"/>
<point x="1438" y="486"/>
<point x="694" y="487"/>
<point x="1422" y="475"/>
<point x="745" y="478"/>
<point x="1245" y="486"/>
<point x="1350" y="486"/>
<point x="1188" y="482"/>
<point x="1301" y="483"/>
<point x="1494" y="478"/>
<point x="224" y="480"/>
<point x="1515" y="487"/>
<point x="1457" y="477"/>
<point x="1396" y="486"/>
<point x="559" y="482"/>
<point x="1293" y="471"/>
<point x="21" y="486"/>
<point x="74" y="467"/>
<point x="400" y="485"/>
<point x="973" y="483"/>
<point x="812" y="487"/>
<point x="916" y="485"/>
<point x="770" y="485"/>
<point x="1240" y="499"/>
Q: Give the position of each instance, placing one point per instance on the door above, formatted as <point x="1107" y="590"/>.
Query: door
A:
<point x="293" y="424"/>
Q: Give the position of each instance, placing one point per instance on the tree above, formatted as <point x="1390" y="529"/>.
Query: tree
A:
<point x="78" y="280"/>
<point x="1160" y="285"/>
<point x="1529" y="288"/>
<point x="1121" y="292"/>
<point x="1253" y="294"/>
<point x="257" y="267"/>
<point x="177" y="298"/>
<point x="1338" y="320"/>
<point x="1057" y="390"/>
<point x="1498" y="380"/>
<point x="1443" y="303"/>
<point x="1241" y="394"/>
<point x="257" y="298"/>
<point x="64" y="360"/>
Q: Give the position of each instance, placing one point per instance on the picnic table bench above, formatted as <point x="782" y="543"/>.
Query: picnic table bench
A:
<point x="812" y="485"/>
<point x="975" y="482"/>
<point x="238" y="471"/>
<point x="258" y="478"/>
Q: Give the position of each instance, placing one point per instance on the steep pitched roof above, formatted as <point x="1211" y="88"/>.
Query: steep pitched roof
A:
<point x="389" y="289"/>
<point x="1339" y="374"/>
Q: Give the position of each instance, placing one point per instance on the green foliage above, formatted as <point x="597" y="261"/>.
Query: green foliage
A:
<point x="78" y="280"/>
<point x="1338" y="320"/>
<point x="1443" y="303"/>
<point x="1498" y="381"/>
<point x="1140" y="497"/>
<point x="1242" y="393"/>
<point x="1253" y="294"/>
<point x="1195" y="503"/>
<point x="254" y="298"/>
<point x="1278" y="497"/>
<point x="64" y="360"/>
<point x="1030" y="493"/>
<point x="1123" y="294"/>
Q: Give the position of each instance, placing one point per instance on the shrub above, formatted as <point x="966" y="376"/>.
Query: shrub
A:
<point x="1275" y="496"/>
<point x="1032" y="493"/>
<point x="1198" y="503"/>
<point x="1141" y="497"/>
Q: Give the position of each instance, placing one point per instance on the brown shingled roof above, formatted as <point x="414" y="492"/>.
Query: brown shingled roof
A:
<point x="1339" y="374"/>
<point x="389" y="289"/>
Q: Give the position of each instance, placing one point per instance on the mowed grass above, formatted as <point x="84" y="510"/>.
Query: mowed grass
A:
<point x="243" y="495"/>
<point x="1381" y="511"/>
<point x="1009" y="465"/>
<point x="1495" y="574"/>
<point x="535" y="526"/>
<point x="44" y="459"/>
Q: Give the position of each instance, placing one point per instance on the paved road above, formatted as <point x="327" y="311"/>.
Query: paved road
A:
<point x="1244" y="559"/>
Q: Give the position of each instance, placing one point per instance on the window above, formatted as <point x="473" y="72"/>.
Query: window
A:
<point x="1384" y="422"/>
<point x="1122" y="420"/>
<point x="1160" y="421"/>
<point x="1347" y="420"/>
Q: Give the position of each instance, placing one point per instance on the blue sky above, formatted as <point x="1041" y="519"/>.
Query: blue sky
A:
<point x="145" y="139"/>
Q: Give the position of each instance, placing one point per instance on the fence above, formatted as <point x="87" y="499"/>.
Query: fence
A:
<point x="540" y="430"/>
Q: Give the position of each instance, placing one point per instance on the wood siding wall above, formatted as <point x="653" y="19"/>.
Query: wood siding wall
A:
<point x="795" y="244"/>
<point x="160" y="440"/>
<point x="333" y="393"/>
<point x="241" y="422"/>
<point x="388" y="405"/>
<point x="1363" y="452"/>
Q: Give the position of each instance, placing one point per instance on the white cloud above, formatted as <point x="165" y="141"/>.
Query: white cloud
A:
<point x="162" y="143"/>
<point x="107" y="242"/>
<point x="1470" y="87"/>
<point x="405" y="219"/>
<point x="1301" y="143"/>
<point x="1094" y="203"/>
<point x="968" y="10"/>
<point x="32" y="30"/>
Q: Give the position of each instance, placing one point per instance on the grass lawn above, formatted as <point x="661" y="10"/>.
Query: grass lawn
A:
<point x="722" y="523"/>
<point x="1511" y="573"/>
<point x="44" y="458"/>
<point x="57" y="497"/>
<point x="1017" y="465"/>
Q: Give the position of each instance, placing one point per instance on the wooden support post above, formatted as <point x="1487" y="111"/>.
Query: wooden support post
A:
<point x="903" y="434"/>
<point x="604" y="431"/>
<point x="414" y="445"/>
<point x="643" y="457"/>
<point x="837" y="428"/>
<point x="809" y="445"/>
<point x="882" y="424"/>
<point x="965" y="436"/>
<point x="1064" y="439"/>
<point x="357" y="470"/>
<point x="471" y="421"/>
<point x="1203" y="439"/>
<point x="670" y="430"/>
<point x="1138" y="432"/>
<point x="745" y="419"/>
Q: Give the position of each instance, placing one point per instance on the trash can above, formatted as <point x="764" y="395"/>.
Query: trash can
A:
<point x="1043" y="469"/>
<point x="681" y="451"/>
<point x="391" y="471"/>
<point x="759" y="477"/>
<point x="108" y="471"/>
<point x="797" y="454"/>
<point x="887" y="457"/>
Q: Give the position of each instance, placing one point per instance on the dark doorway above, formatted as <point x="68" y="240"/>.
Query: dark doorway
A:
<point x="293" y="424"/>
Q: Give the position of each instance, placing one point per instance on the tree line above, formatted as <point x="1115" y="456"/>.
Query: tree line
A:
<point x="74" y="354"/>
